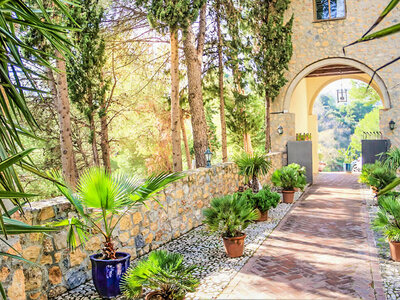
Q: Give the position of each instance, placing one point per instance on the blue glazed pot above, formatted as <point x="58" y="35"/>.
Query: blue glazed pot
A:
<point x="108" y="273"/>
<point x="347" y="167"/>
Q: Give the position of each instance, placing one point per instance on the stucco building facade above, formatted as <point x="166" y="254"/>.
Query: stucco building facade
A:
<point x="318" y="60"/>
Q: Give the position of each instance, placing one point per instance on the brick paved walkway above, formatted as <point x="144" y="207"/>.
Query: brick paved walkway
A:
<point x="322" y="249"/>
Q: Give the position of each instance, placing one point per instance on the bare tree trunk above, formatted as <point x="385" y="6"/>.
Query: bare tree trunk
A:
<point x="175" y="107"/>
<point x="104" y="140"/>
<point x="185" y="141"/>
<point x="248" y="148"/>
<point x="221" y="88"/>
<point x="63" y="109"/>
<point x="267" y="123"/>
<point x="194" y="64"/>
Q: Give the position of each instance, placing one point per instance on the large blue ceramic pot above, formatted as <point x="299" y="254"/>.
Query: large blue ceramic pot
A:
<point x="108" y="273"/>
<point x="347" y="167"/>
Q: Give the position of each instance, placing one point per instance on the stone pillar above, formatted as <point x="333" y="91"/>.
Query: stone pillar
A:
<point x="385" y="116"/>
<point x="279" y="141"/>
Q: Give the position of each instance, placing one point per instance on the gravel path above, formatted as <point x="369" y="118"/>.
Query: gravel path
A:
<point x="206" y="251"/>
<point x="390" y="270"/>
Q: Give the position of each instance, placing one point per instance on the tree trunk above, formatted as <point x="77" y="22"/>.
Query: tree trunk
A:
<point x="267" y="123"/>
<point x="248" y="148"/>
<point x="254" y="185"/>
<point x="63" y="108"/>
<point x="175" y="107"/>
<point x="92" y="128"/>
<point x="194" y="68"/>
<point x="104" y="141"/>
<point x="221" y="88"/>
<point x="185" y="141"/>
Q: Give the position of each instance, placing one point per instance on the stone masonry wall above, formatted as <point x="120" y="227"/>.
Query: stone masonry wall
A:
<point x="141" y="230"/>
<point x="315" y="41"/>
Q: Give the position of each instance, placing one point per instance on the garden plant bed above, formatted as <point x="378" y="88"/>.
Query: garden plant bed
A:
<point x="390" y="270"/>
<point x="206" y="250"/>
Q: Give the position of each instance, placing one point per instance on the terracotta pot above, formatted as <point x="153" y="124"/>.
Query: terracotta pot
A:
<point x="263" y="216"/>
<point x="234" y="245"/>
<point x="288" y="196"/>
<point x="395" y="250"/>
<point x="154" y="295"/>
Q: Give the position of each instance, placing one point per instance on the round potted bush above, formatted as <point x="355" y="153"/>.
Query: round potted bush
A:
<point x="100" y="202"/>
<point x="288" y="178"/>
<point x="164" y="273"/>
<point x="388" y="222"/>
<point x="230" y="215"/>
<point x="262" y="201"/>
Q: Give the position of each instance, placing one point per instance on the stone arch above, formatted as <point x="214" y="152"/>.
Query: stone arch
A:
<point x="379" y="85"/>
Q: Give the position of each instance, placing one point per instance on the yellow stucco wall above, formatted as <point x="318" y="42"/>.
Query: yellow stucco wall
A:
<point x="302" y="103"/>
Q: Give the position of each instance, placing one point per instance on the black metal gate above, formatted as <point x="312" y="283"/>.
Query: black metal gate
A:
<point x="371" y="150"/>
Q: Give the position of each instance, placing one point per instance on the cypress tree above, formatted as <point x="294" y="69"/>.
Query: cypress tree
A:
<point x="272" y="51"/>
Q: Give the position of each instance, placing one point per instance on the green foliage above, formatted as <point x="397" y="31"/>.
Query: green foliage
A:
<point x="162" y="271"/>
<point x="377" y="175"/>
<point x="167" y="14"/>
<point x="289" y="178"/>
<point x="347" y="155"/>
<point x="392" y="160"/>
<point x="388" y="218"/>
<point x="229" y="215"/>
<point x="263" y="200"/>
<point x="252" y="166"/>
<point x="86" y="80"/>
<point x="370" y="123"/>
<point x="273" y="44"/>
<point x="111" y="197"/>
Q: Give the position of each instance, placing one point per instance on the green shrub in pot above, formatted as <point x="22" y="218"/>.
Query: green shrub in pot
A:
<point x="162" y="272"/>
<point x="230" y="215"/>
<point x="289" y="178"/>
<point x="263" y="201"/>
<point x="380" y="176"/>
<point x="388" y="222"/>
<point x="252" y="166"/>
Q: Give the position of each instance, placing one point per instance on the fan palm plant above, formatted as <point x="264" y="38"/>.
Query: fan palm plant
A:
<point x="17" y="16"/>
<point x="102" y="199"/>
<point x="162" y="272"/>
<point x="392" y="158"/>
<point x="253" y="165"/>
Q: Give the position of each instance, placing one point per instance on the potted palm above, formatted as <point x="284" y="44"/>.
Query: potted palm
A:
<point x="377" y="176"/>
<point x="388" y="222"/>
<point x="100" y="201"/>
<point x="162" y="272"/>
<point x="262" y="201"/>
<point x="348" y="157"/>
<point x="252" y="166"/>
<point x="288" y="178"/>
<point x="230" y="215"/>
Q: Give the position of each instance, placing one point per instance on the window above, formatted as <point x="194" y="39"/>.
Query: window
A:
<point x="330" y="9"/>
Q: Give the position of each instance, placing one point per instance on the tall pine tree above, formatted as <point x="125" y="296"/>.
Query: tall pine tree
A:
<point x="272" y="51"/>
<point x="173" y="15"/>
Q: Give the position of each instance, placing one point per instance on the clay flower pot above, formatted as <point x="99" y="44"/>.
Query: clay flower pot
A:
<point x="288" y="196"/>
<point x="395" y="250"/>
<point x="234" y="245"/>
<point x="154" y="295"/>
<point x="263" y="216"/>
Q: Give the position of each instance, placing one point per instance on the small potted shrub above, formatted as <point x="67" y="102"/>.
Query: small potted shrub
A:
<point x="288" y="178"/>
<point x="348" y="157"/>
<point x="262" y="201"/>
<point x="301" y="170"/>
<point x="162" y="272"/>
<point x="252" y="166"/>
<point x="379" y="176"/>
<point x="230" y="215"/>
<point x="388" y="222"/>
<point x="100" y="201"/>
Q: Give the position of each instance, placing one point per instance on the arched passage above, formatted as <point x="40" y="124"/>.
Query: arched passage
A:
<point x="307" y="85"/>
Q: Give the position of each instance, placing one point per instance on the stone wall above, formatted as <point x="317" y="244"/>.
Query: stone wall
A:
<point x="143" y="229"/>
<point x="318" y="41"/>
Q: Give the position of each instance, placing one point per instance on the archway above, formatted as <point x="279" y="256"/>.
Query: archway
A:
<point x="306" y="86"/>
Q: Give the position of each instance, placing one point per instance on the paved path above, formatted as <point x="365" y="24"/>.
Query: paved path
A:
<point x="322" y="249"/>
